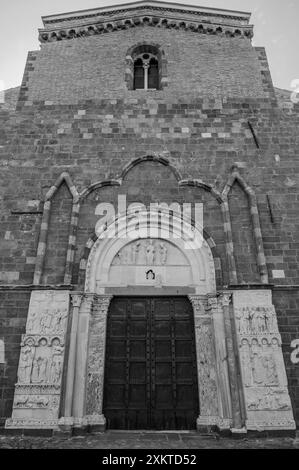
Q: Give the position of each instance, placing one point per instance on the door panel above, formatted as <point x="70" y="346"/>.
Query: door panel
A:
<point x="150" y="374"/>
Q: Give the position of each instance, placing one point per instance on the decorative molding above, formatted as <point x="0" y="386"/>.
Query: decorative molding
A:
<point x="195" y="26"/>
<point x="257" y="233"/>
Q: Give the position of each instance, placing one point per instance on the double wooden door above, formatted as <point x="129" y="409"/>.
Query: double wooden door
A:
<point x="150" y="369"/>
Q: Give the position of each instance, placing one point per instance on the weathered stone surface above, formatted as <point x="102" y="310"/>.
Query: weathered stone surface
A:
<point x="76" y="114"/>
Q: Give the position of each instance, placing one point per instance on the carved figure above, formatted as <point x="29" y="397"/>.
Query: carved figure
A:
<point x="163" y="253"/>
<point x="46" y="322"/>
<point x="256" y="363"/>
<point x="26" y="361"/>
<point x="268" y="361"/>
<point x="56" y="364"/>
<point x="135" y="252"/>
<point x="150" y="253"/>
<point x="245" y="360"/>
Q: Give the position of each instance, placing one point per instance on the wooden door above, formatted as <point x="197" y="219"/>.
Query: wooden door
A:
<point x="150" y="372"/>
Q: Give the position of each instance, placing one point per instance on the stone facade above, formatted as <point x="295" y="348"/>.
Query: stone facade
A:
<point x="214" y="133"/>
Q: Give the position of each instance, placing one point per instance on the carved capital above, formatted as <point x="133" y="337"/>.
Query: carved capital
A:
<point x="103" y="302"/>
<point x="225" y="299"/>
<point x="76" y="300"/>
<point x="212" y="303"/>
<point x="197" y="304"/>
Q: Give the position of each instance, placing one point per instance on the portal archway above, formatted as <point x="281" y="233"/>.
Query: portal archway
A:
<point x="189" y="250"/>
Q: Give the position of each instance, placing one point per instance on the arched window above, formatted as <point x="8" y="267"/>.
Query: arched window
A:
<point x="146" y="72"/>
<point x="146" y="67"/>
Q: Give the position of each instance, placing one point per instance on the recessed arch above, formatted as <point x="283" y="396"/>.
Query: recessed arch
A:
<point x="101" y="249"/>
<point x="149" y="158"/>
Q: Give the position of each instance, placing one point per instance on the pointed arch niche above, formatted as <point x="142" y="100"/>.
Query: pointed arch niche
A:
<point x="70" y="201"/>
<point x="246" y="230"/>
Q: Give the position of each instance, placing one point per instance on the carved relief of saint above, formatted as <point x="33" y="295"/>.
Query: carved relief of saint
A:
<point x="135" y="252"/>
<point x="163" y="253"/>
<point x="26" y="361"/>
<point x="41" y="362"/>
<point x="257" y="366"/>
<point x="271" y="375"/>
<point x="150" y="253"/>
<point x="245" y="361"/>
<point x="56" y="364"/>
<point x="244" y="325"/>
<point x="59" y="317"/>
<point x="32" y="321"/>
<point x="46" y="321"/>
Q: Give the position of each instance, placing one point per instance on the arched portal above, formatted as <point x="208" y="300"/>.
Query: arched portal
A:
<point x="122" y="256"/>
<point x="155" y="271"/>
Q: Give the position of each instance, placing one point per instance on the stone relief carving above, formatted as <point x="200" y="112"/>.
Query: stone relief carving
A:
<point x="273" y="400"/>
<point x="41" y="362"/>
<point x="256" y="320"/>
<point x="144" y="252"/>
<point x="262" y="366"/>
<point x="207" y="371"/>
<point x="25" y="401"/>
<point x="41" y="359"/>
<point x="26" y="361"/>
<point x="259" y="361"/>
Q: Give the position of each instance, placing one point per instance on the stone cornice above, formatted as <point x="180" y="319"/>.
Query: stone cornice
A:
<point x="98" y="13"/>
<point x="196" y="26"/>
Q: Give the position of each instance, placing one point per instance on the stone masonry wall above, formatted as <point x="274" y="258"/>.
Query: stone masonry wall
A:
<point x="68" y="120"/>
<point x="66" y="72"/>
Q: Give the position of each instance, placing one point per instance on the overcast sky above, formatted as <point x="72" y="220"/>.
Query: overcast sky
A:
<point x="276" y="28"/>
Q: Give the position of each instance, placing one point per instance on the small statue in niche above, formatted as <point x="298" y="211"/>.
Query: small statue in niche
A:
<point x="41" y="362"/>
<point x="150" y="253"/>
<point x="150" y="275"/>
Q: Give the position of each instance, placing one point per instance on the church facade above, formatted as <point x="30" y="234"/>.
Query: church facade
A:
<point x="149" y="228"/>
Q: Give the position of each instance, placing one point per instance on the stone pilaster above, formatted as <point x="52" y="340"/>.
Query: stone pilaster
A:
<point x="76" y="299"/>
<point x="96" y="363"/>
<point x="80" y="380"/>
<point x="206" y="363"/>
<point x="224" y="301"/>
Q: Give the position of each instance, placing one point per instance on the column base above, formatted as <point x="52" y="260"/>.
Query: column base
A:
<point x="95" y="423"/>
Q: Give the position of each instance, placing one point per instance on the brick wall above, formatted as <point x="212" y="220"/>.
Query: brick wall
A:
<point x="95" y="127"/>
<point x="94" y="67"/>
<point x="13" y="315"/>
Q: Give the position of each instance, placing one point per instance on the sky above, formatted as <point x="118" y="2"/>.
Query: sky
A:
<point x="276" y="29"/>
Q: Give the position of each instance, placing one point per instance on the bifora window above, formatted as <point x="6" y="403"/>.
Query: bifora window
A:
<point x="146" y="72"/>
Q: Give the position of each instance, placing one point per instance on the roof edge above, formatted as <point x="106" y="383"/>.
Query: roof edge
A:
<point x="154" y="3"/>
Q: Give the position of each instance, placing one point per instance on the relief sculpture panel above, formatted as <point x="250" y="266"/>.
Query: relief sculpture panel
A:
<point x="38" y="389"/>
<point x="263" y="372"/>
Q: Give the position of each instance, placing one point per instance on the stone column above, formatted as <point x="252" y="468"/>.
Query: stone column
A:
<point x="206" y="364"/>
<point x="80" y="380"/>
<point x="69" y="392"/>
<point x="224" y="300"/>
<point x="96" y="363"/>
<point x="224" y="391"/>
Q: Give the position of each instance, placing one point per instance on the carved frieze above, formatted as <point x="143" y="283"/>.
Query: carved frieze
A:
<point x="256" y="320"/>
<point x="145" y="252"/>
